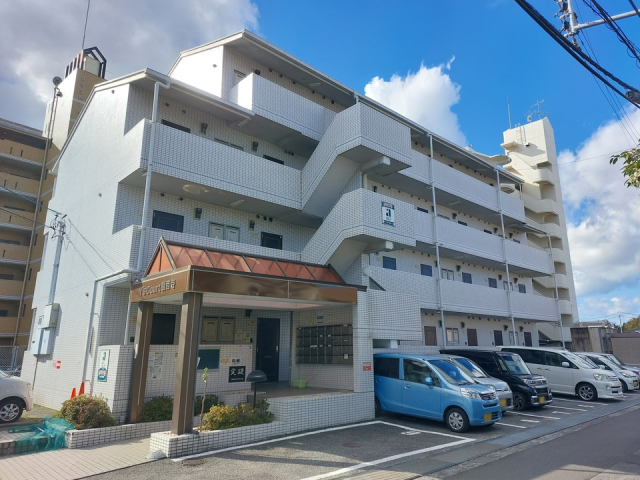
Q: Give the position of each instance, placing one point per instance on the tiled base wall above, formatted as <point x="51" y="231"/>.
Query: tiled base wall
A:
<point x="98" y="436"/>
<point x="293" y="414"/>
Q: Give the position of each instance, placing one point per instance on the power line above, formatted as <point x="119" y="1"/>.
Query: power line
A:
<point x="602" y="13"/>
<point x="25" y="218"/>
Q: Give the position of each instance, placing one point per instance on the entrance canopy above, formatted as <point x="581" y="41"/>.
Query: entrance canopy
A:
<point x="239" y="281"/>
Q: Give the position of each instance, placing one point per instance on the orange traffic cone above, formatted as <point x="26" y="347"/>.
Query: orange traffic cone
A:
<point x="81" y="389"/>
<point x="73" y="392"/>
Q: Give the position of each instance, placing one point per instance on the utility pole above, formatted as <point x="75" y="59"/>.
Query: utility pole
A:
<point x="570" y="25"/>
<point x="620" y="320"/>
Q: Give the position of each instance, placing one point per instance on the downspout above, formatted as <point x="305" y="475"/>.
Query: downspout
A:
<point x="435" y="239"/>
<point x="504" y="255"/>
<point x="555" y="286"/>
<point x="147" y="193"/>
<point x="54" y="105"/>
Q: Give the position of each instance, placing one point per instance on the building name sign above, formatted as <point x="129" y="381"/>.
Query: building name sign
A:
<point x="388" y="214"/>
<point x="161" y="287"/>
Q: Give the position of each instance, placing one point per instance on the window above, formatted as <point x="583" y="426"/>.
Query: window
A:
<point x="443" y="216"/>
<point x="228" y="144"/>
<point x="35" y="239"/>
<point x="446" y="274"/>
<point x="522" y="288"/>
<point x="466" y="277"/>
<point x="9" y="242"/>
<point x="517" y="241"/>
<point x="163" y="326"/>
<point x="387" y="367"/>
<point x="6" y="276"/>
<point x="167" y="221"/>
<point x="389" y="262"/>
<point x="24" y="309"/>
<point x="273" y="159"/>
<point x="415" y="371"/>
<point x="488" y="231"/>
<point x="426" y="270"/>
<point x="430" y="336"/>
<point x="176" y="126"/>
<point x="493" y="283"/>
<point x="452" y="336"/>
<point x="4" y="313"/>
<point x="29" y="274"/>
<point x="237" y="77"/>
<point x="271" y="240"/>
<point x="423" y="210"/>
<point x="462" y="223"/>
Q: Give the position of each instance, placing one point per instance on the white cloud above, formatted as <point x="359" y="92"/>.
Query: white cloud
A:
<point x="426" y="97"/>
<point x="39" y="38"/>
<point x="603" y="219"/>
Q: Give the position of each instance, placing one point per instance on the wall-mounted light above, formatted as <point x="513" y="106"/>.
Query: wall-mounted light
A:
<point x="499" y="277"/>
<point x="495" y="229"/>
<point x="462" y="324"/>
<point x="252" y="224"/>
<point x="521" y="328"/>
<point x="271" y="219"/>
<point x="458" y="268"/>
<point x="197" y="213"/>
<point x="510" y="235"/>
<point x="257" y="72"/>
<point x="506" y="327"/>
<point x="375" y="189"/>
<point x="515" y="280"/>
<point x="454" y="215"/>
<point x="254" y="146"/>
<point x="203" y="127"/>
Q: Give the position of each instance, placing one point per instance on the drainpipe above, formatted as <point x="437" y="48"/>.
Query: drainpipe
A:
<point x="435" y="239"/>
<point x="54" y="105"/>
<point x="555" y="286"/>
<point x="504" y="255"/>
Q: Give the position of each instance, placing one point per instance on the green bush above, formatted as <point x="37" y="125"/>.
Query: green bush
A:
<point x="157" y="409"/>
<point x="210" y="400"/>
<point x="221" y="417"/>
<point x="85" y="412"/>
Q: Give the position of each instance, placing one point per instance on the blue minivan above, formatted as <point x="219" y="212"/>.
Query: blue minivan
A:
<point x="433" y="387"/>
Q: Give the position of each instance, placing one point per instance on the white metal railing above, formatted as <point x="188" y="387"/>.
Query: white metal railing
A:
<point x="463" y="185"/>
<point x="469" y="240"/>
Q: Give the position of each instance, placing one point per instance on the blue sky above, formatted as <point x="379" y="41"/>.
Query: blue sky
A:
<point x="451" y="65"/>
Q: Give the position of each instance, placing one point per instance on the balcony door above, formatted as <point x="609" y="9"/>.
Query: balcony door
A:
<point x="472" y="337"/>
<point x="497" y="336"/>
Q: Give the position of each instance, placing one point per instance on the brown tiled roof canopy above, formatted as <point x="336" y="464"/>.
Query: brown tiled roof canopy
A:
<point x="171" y="256"/>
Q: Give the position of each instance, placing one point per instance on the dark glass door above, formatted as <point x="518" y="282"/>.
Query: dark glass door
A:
<point x="268" y="347"/>
<point x="527" y="339"/>
<point x="472" y="337"/>
<point x="497" y="335"/>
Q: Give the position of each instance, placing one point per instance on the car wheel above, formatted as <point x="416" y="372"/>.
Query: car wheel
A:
<point x="10" y="410"/>
<point x="378" y="408"/>
<point x="586" y="392"/>
<point x="519" y="402"/>
<point x="625" y="388"/>
<point x="457" y="420"/>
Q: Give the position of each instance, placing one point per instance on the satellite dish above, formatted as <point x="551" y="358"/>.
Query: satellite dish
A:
<point x="57" y="81"/>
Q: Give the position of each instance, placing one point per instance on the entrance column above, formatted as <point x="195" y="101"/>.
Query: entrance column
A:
<point x="182" y="419"/>
<point x="141" y="359"/>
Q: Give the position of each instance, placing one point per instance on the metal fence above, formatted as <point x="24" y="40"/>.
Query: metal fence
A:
<point x="11" y="359"/>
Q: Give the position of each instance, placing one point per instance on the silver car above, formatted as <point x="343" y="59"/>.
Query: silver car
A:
<point x="477" y="373"/>
<point x="15" y="397"/>
<point x="628" y="379"/>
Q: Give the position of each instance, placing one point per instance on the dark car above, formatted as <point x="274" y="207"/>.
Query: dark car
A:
<point x="528" y="390"/>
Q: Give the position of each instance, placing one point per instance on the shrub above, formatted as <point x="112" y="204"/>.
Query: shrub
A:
<point x="85" y="412"/>
<point x="157" y="409"/>
<point x="221" y="417"/>
<point x="210" y="400"/>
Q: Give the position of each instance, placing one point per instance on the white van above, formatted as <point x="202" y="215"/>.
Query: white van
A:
<point x="568" y="373"/>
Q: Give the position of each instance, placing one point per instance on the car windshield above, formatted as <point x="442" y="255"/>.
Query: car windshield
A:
<point x="590" y="361"/>
<point x="469" y="367"/>
<point x="579" y="361"/>
<point x="451" y="372"/>
<point x="513" y="364"/>
<point x="614" y="359"/>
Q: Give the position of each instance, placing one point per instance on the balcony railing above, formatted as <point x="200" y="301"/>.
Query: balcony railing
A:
<point x="469" y="240"/>
<point x="424" y="227"/>
<point x="10" y="289"/>
<point x="533" y="307"/>
<point x="16" y="220"/>
<point x="540" y="205"/>
<point x="25" y="186"/>
<point x="13" y="253"/>
<point x="529" y="258"/>
<point x="276" y="103"/>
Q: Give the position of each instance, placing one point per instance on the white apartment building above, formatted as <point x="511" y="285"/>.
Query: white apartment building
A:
<point x="247" y="212"/>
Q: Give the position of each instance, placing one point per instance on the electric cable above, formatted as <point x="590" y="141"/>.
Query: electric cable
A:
<point x="604" y="15"/>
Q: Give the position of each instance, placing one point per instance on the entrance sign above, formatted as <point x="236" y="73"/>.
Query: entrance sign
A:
<point x="236" y="374"/>
<point x="104" y="366"/>
<point x="388" y="214"/>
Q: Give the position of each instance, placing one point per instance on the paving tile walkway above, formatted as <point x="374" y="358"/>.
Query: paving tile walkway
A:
<point x="70" y="464"/>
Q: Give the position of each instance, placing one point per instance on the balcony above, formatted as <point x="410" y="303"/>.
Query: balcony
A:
<point x="357" y="137"/>
<point x="540" y="205"/>
<point x="283" y="117"/>
<point x="355" y="225"/>
<point x="10" y="289"/>
<point x="13" y="254"/>
<point x="547" y="282"/>
<point x="20" y="162"/>
<point x="24" y="186"/>
<point x="552" y="229"/>
<point x="528" y="261"/>
<point x="456" y="239"/>
<point x="560" y="256"/>
<point x="541" y="175"/>
<point x="16" y="220"/>
<point x="533" y="307"/>
<point x="565" y="307"/>
<point x="424" y="229"/>
<point x="215" y="170"/>
<point x="8" y="327"/>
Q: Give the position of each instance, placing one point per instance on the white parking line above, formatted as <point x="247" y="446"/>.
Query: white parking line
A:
<point x="460" y="441"/>
<point x="502" y="424"/>
<point x="569" y="408"/>
<point x="535" y="416"/>
<point x="561" y="413"/>
<point x="576" y="401"/>
<point x="530" y="421"/>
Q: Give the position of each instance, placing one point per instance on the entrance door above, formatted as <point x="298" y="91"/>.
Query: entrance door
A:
<point x="268" y="347"/>
<point x="527" y="339"/>
<point x="472" y="337"/>
<point x="497" y="336"/>
<point x="430" y="336"/>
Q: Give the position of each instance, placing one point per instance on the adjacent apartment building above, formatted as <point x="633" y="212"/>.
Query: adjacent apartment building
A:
<point x="246" y="211"/>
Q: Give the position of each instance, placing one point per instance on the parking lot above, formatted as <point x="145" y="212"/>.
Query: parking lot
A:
<point x="395" y="444"/>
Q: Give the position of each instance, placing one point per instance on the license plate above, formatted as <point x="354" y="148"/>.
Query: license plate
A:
<point x="503" y="402"/>
<point x="487" y="417"/>
<point x="635" y="383"/>
<point x="542" y="399"/>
